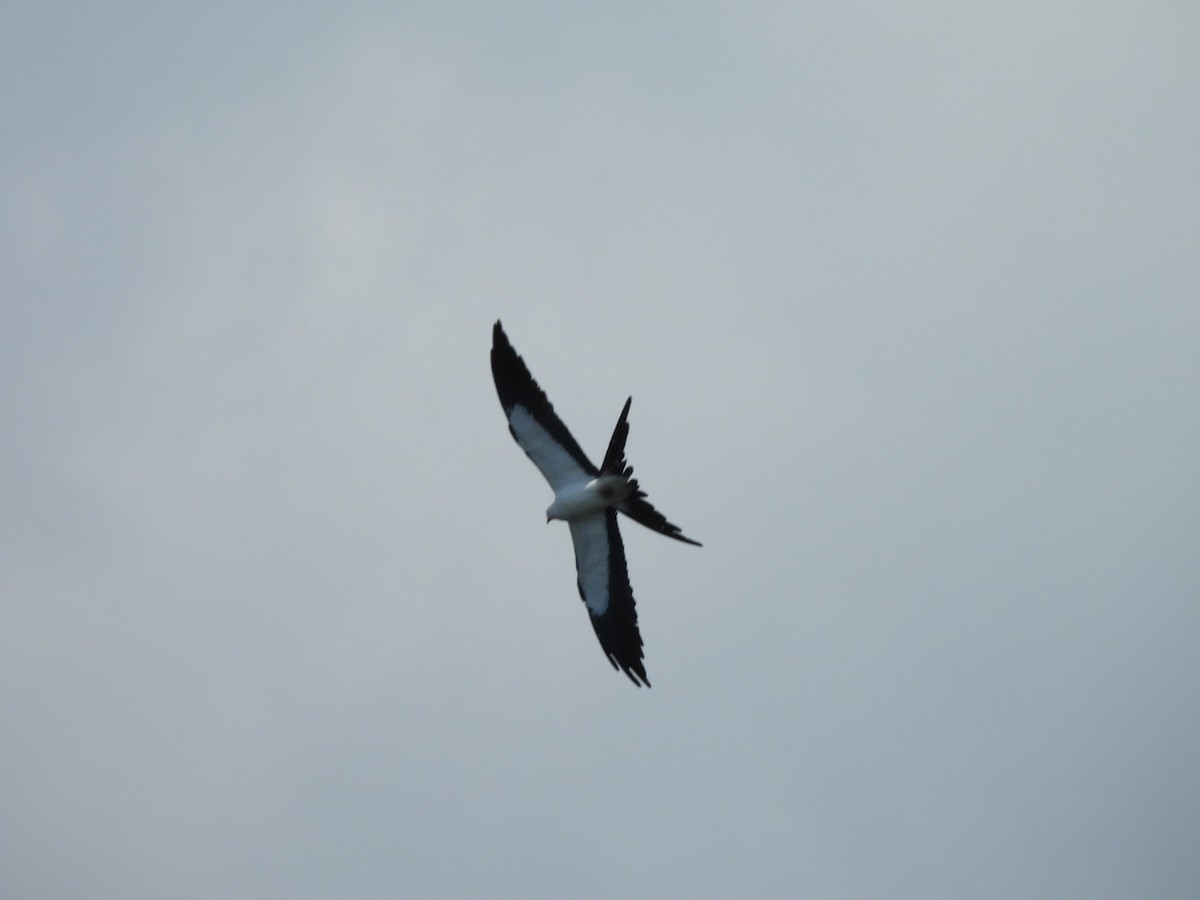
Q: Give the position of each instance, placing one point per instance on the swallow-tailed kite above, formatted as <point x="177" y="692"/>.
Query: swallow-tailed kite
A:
<point x="588" y="499"/>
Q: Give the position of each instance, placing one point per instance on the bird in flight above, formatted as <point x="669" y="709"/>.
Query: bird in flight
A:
<point x="588" y="500"/>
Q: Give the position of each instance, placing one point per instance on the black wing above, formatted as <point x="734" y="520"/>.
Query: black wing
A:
<point x="532" y="420"/>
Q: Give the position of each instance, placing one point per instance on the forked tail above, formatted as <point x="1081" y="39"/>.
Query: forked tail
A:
<point x="636" y="506"/>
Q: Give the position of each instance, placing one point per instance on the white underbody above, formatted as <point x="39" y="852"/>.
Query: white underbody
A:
<point x="580" y="499"/>
<point x="586" y="498"/>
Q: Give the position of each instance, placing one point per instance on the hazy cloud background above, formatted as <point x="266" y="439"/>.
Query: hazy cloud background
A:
<point x="907" y="299"/>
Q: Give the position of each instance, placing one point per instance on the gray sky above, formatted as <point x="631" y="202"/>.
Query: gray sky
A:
<point x="907" y="299"/>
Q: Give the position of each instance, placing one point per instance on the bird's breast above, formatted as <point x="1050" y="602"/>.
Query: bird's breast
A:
<point x="586" y="498"/>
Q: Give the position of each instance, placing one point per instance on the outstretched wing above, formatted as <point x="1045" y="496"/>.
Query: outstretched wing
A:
<point x="604" y="586"/>
<point x="532" y="420"/>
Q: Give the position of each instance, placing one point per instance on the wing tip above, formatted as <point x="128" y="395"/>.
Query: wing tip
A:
<point x="635" y="671"/>
<point x="644" y="682"/>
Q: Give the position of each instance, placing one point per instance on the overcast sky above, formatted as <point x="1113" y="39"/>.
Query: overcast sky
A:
<point x="908" y="300"/>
